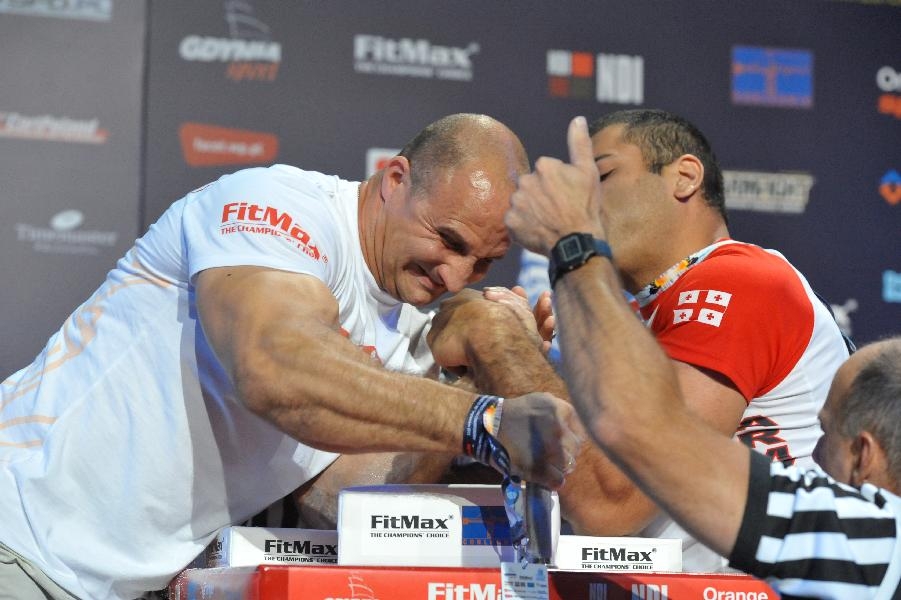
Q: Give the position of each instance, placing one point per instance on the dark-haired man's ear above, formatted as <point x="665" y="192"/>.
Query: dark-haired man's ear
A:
<point x="689" y="176"/>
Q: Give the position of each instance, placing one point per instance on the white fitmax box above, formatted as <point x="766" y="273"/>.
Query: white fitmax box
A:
<point x="427" y="526"/>
<point x="618" y="554"/>
<point x="250" y="546"/>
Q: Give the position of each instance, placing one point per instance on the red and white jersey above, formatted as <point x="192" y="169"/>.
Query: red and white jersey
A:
<point x="748" y="314"/>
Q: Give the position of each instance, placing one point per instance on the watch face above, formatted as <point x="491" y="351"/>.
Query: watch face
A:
<point x="570" y="248"/>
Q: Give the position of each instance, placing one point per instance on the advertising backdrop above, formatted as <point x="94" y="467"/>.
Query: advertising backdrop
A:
<point x="112" y="110"/>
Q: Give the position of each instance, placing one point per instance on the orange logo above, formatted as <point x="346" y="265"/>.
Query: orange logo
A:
<point x="890" y="187"/>
<point x="211" y="145"/>
<point x="370" y="351"/>
<point x="889" y="81"/>
<point x="890" y="104"/>
<point x="377" y="158"/>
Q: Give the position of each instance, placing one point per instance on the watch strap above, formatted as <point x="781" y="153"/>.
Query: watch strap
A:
<point x="572" y="251"/>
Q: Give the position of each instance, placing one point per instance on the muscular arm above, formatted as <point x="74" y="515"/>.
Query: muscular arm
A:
<point x="317" y="500"/>
<point x="503" y="358"/>
<point x="629" y="397"/>
<point x="275" y="334"/>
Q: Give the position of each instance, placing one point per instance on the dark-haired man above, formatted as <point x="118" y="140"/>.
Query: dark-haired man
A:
<point x="753" y="348"/>
<point x="265" y="323"/>
<point x="806" y="534"/>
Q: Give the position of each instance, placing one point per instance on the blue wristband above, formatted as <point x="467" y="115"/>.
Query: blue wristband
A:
<point x="485" y="448"/>
<point x="478" y="442"/>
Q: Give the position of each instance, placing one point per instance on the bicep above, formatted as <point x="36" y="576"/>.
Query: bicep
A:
<point x="239" y="307"/>
<point x="711" y="396"/>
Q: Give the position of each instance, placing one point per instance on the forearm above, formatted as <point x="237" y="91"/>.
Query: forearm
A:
<point x="316" y="386"/>
<point x="597" y="498"/>
<point x="276" y="335"/>
<point x="626" y="392"/>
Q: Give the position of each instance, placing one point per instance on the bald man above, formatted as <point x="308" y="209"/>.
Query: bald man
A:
<point x="265" y="323"/>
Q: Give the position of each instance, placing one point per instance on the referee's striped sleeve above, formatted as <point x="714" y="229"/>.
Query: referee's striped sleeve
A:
<point x="810" y="536"/>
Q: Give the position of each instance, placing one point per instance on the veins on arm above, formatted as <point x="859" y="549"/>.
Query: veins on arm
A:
<point x="276" y="335"/>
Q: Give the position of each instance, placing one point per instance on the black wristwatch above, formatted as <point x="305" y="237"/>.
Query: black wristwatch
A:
<point x="572" y="251"/>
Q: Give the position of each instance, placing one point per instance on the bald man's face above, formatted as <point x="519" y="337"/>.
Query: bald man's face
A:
<point x="445" y="238"/>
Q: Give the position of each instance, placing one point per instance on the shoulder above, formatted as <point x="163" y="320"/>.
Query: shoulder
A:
<point x="277" y="178"/>
<point x="749" y="272"/>
<point x="745" y="264"/>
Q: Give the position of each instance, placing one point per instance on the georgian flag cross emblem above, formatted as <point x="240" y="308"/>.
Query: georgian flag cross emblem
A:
<point x="703" y="306"/>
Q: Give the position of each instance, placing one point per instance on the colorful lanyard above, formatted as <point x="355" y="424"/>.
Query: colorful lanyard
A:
<point x="647" y="294"/>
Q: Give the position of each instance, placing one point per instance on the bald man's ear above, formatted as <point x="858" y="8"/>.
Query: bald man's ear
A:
<point x="689" y="176"/>
<point x="395" y="174"/>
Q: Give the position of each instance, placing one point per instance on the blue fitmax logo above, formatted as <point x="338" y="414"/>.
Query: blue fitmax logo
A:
<point x="772" y="77"/>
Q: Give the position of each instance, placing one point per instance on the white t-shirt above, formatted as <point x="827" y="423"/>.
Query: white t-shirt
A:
<point x="123" y="448"/>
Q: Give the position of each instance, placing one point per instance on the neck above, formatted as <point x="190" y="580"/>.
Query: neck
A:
<point x="368" y="204"/>
<point x="681" y="245"/>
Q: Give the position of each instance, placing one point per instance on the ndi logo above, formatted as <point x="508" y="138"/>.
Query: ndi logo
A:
<point x="612" y="78"/>
<point x="772" y="77"/>
<point x="650" y="591"/>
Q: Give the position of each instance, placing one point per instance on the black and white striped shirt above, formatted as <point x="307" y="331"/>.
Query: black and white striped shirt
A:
<point x="811" y="537"/>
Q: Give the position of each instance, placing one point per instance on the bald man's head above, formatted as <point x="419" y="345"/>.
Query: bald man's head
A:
<point x="460" y="139"/>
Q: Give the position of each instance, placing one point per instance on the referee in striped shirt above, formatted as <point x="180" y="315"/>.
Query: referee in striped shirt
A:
<point x="806" y="534"/>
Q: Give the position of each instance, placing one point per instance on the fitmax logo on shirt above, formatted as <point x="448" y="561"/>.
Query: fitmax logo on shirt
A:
<point x="243" y="217"/>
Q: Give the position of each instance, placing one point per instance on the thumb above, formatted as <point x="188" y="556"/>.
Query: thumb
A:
<point x="579" y="142"/>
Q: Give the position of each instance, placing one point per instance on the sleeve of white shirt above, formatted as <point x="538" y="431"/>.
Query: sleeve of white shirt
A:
<point x="260" y="217"/>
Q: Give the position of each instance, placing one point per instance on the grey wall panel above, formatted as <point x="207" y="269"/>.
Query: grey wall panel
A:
<point x="70" y="153"/>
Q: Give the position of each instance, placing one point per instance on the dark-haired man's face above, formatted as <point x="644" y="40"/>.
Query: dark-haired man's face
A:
<point x="633" y="207"/>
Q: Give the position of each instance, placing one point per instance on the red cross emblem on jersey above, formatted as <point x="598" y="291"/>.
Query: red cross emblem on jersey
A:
<point x="702" y="306"/>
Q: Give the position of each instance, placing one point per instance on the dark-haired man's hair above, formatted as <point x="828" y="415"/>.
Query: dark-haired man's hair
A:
<point x="663" y="137"/>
